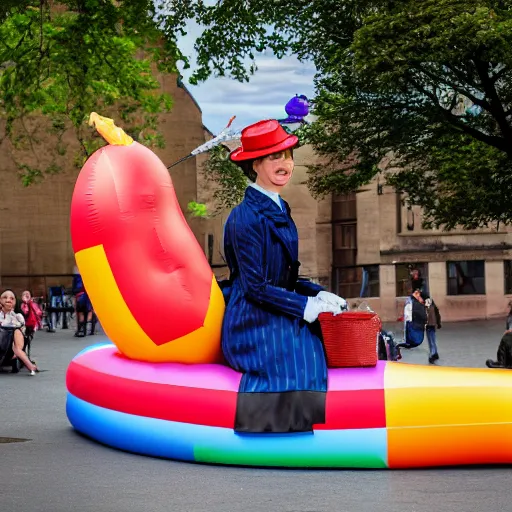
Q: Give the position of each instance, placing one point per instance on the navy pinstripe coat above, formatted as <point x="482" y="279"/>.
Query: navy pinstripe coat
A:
<point x="263" y="333"/>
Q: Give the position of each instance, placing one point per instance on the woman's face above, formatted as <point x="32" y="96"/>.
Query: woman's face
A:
<point x="25" y="296"/>
<point x="7" y="301"/>
<point x="274" y="171"/>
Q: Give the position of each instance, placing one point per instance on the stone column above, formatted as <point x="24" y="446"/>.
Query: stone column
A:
<point x="495" y="289"/>
<point x="388" y="307"/>
<point x="437" y="282"/>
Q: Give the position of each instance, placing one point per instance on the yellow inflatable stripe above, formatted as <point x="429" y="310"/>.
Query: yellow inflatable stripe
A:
<point x="417" y="396"/>
<point x="200" y="346"/>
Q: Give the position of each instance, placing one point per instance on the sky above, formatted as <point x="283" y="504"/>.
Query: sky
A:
<point x="263" y="97"/>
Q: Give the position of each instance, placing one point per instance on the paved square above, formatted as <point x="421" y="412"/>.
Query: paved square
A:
<point x="57" y="470"/>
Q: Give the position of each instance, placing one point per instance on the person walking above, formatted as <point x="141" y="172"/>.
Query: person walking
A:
<point x="433" y="322"/>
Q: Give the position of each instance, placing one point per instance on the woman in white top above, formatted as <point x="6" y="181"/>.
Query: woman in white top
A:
<point x="11" y="325"/>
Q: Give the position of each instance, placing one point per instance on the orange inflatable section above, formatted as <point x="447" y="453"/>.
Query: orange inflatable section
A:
<point x="450" y="417"/>
<point x="146" y="275"/>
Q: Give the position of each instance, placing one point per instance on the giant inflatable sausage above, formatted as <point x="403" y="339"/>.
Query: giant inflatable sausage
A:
<point x="146" y="275"/>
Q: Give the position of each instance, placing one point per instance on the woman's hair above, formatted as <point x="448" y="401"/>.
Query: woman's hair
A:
<point x="246" y="166"/>
<point x="8" y="290"/>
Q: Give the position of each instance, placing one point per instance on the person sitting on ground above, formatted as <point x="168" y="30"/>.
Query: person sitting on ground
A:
<point x="415" y="318"/>
<point x="504" y="355"/>
<point x="11" y="336"/>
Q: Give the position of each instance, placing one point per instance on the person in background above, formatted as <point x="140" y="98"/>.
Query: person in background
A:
<point x="433" y="321"/>
<point x="11" y="332"/>
<point x="504" y="355"/>
<point x="417" y="282"/>
<point x="83" y="307"/>
<point x="415" y="319"/>
<point x="33" y="317"/>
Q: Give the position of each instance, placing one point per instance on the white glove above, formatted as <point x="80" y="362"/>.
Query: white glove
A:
<point x="332" y="299"/>
<point x="315" y="306"/>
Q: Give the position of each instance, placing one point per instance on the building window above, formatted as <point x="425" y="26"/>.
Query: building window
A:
<point x="507" y="270"/>
<point x="345" y="245"/>
<point x="355" y="282"/>
<point x="344" y="207"/>
<point x="466" y="277"/>
<point x="404" y="274"/>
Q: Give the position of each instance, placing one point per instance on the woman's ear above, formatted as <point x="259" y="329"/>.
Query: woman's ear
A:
<point x="256" y="164"/>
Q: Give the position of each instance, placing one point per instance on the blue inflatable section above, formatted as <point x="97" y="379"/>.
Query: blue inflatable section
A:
<point x="189" y="442"/>
<point x="92" y="348"/>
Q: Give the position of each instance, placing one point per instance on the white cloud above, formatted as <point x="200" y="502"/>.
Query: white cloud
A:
<point x="263" y="97"/>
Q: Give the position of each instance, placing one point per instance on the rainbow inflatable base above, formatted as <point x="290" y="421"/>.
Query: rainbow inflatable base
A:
<point x="392" y="416"/>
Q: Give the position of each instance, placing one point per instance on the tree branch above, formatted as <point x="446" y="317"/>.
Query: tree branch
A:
<point x="497" y="142"/>
<point x="500" y="74"/>
<point x="497" y="109"/>
<point x="477" y="101"/>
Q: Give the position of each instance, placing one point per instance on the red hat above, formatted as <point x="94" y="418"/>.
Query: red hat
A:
<point x="261" y="139"/>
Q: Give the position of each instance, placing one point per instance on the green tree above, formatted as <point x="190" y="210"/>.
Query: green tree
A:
<point x="418" y="90"/>
<point x="229" y="179"/>
<point x="62" y="59"/>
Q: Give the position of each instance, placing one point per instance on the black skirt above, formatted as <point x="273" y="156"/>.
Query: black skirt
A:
<point x="291" y="411"/>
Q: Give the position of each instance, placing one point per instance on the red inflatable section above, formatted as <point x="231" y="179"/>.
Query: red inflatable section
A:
<point x="124" y="200"/>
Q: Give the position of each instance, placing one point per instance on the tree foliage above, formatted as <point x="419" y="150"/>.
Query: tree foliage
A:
<point x="425" y="87"/>
<point x="62" y="59"/>
<point x="229" y="179"/>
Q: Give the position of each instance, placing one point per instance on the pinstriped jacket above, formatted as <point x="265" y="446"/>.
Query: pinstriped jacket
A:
<point x="264" y="334"/>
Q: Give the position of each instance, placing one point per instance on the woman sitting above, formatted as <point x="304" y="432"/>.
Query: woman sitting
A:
<point x="270" y="333"/>
<point x="504" y="354"/>
<point x="11" y="335"/>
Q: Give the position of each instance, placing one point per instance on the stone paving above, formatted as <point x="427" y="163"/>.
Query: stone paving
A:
<point x="56" y="470"/>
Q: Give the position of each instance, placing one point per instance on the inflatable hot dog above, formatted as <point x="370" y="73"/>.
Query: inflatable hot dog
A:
<point x="158" y="301"/>
<point x="146" y="275"/>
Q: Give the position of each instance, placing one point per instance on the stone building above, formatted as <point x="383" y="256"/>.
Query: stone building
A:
<point x="468" y="273"/>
